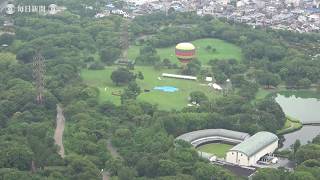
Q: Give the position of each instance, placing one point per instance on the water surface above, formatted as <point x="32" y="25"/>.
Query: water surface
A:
<point x="307" y="110"/>
<point x="305" y="107"/>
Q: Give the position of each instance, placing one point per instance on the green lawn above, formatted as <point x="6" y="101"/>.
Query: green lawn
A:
<point x="217" y="149"/>
<point x="176" y="100"/>
<point x="224" y="50"/>
<point x="290" y="126"/>
<point x="165" y="100"/>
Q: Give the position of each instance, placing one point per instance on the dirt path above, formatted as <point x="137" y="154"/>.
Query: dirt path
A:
<point x="58" y="134"/>
<point x="113" y="151"/>
<point x="105" y="176"/>
<point x="114" y="154"/>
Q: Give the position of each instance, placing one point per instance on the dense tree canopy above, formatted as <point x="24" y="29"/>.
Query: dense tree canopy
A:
<point x="141" y="134"/>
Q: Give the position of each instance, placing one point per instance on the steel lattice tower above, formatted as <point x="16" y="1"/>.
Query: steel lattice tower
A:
<point x="124" y="39"/>
<point x="38" y="76"/>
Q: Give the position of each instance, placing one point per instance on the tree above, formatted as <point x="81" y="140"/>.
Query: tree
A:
<point x="198" y="97"/>
<point x="270" y="174"/>
<point x="316" y="140"/>
<point x="131" y="92"/>
<point x="271" y="106"/>
<point x="148" y="56"/>
<point x="81" y="168"/>
<point x="302" y="175"/>
<point x="14" y="155"/>
<point x="167" y="167"/>
<point x="268" y="79"/>
<point x="121" y="76"/>
<point x="238" y="80"/>
<point x="127" y="173"/>
<point x="166" y="62"/>
<point x="157" y="66"/>
<point x="25" y="54"/>
<point x="109" y="55"/>
<point x="114" y="165"/>
<point x="6" y="38"/>
<point x="306" y="152"/>
<point x="296" y="146"/>
<point x="193" y="68"/>
<point x="205" y="171"/>
<point x="140" y="75"/>
<point x="304" y="83"/>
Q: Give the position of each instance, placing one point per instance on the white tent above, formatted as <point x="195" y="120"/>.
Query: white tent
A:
<point x="215" y="86"/>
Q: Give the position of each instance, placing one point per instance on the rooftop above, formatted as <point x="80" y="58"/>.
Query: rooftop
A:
<point x="192" y="136"/>
<point x="255" y="143"/>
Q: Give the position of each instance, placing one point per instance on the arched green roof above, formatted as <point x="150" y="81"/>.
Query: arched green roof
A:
<point x="255" y="143"/>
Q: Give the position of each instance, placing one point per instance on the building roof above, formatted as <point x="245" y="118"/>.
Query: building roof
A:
<point x="179" y="76"/>
<point x="255" y="143"/>
<point x="195" y="135"/>
<point x="185" y="46"/>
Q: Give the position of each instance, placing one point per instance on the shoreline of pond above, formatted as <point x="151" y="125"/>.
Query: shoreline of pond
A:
<point x="308" y="129"/>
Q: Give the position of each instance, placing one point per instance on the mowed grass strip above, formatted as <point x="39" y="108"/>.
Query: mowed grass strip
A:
<point x="224" y="50"/>
<point x="165" y="100"/>
<point x="218" y="149"/>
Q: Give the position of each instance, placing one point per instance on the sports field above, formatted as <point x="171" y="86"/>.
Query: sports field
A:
<point x="218" y="149"/>
<point x="165" y="100"/>
<point x="224" y="50"/>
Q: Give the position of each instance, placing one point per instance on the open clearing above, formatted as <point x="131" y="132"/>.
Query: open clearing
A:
<point x="218" y="149"/>
<point x="165" y="100"/>
<point x="224" y="50"/>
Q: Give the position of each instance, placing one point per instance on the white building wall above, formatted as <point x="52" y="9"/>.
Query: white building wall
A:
<point x="231" y="157"/>
<point x="241" y="159"/>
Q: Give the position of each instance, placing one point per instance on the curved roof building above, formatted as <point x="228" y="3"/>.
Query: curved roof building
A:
<point x="255" y="143"/>
<point x="252" y="149"/>
<point x="248" y="150"/>
<point x="196" y="138"/>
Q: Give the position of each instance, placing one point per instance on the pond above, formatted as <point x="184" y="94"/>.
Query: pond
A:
<point x="305" y="134"/>
<point x="304" y="106"/>
<point x="306" y="109"/>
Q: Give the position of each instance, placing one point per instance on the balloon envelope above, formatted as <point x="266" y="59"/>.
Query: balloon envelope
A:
<point x="185" y="52"/>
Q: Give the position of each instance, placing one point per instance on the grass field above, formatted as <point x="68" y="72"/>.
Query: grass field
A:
<point x="165" y="100"/>
<point x="290" y="126"/>
<point x="224" y="50"/>
<point x="217" y="149"/>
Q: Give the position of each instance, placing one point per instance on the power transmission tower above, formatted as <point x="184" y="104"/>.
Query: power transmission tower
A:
<point x="124" y="39"/>
<point x="167" y="6"/>
<point x="38" y="76"/>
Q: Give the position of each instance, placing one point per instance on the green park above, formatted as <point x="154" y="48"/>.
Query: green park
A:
<point x="222" y="50"/>
<point x="152" y="77"/>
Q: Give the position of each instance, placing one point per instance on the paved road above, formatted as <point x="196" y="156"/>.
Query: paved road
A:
<point x="58" y="134"/>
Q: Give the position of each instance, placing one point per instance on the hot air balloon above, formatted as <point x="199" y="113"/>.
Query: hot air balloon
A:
<point x="185" y="52"/>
